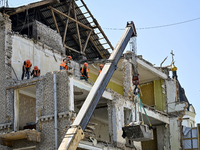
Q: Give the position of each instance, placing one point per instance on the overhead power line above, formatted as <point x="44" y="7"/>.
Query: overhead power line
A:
<point x="173" y="24"/>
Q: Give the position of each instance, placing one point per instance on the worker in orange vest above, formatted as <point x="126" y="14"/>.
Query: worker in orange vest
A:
<point x="26" y="68"/>
<point x="100" y="67"/>
<point x="35" y="72"/>
<point x="63" y="64"/>
<point x="69" y="58"/>
<point x="84" y="72"/>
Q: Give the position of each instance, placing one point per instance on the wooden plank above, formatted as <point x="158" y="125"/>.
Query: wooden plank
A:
<point x="77" y="29"/>
<point x="86" y="42"/>
<point x="69" y="30"/>
<point x="55" y="22"/>
<point x="33" y="5"/>
<point x="189" y="138"/>
<point x="72" y="49"/>
<point x="98" y="26"/>
<point x="64" y="37"/>
<point x="92" y="41"/>
<point x="198" y="135"/>
<point x="59" y="12"/>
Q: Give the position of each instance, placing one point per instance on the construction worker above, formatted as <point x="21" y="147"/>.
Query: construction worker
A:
<point x="84" y="72"/>
<point x="35" y="72"/>
<point x="69" y="58"/>
<point x="63" y="64"/>
<point x="100" y="67"/>
<point x="26" y="68"/>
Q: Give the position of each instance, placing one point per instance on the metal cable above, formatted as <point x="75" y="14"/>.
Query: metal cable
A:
<point x="161" y="26"/>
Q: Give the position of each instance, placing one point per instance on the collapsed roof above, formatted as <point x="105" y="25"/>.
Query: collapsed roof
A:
<point x="79" y="35"/>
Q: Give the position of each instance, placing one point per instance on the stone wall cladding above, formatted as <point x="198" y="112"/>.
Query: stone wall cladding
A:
<point x="5" y="64"/>
<point x="45" y="93"/>
<point x="47" y="36"/>
<point x="4" y="148"/>
<point x="76" y="68"/>
<point x="45" y="103"/>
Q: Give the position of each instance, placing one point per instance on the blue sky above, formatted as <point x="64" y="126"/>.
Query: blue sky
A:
<point x="156" y="44"/>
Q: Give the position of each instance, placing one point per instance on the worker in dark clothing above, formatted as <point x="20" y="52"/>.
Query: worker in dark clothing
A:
<point x="100" y="68"/>
<point x="84" y="72"/>
<point x="35" y="72"/>
<point x="26" y="69"/>
<point x="63" y="64"/>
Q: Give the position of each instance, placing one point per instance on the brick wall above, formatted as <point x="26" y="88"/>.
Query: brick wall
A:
<point x="27" y="110"/>
<point x="47" y="36"/>
<point x="5" y="61"/>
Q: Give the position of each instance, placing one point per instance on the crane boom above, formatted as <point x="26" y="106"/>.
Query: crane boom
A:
<point x="75" y="132"/>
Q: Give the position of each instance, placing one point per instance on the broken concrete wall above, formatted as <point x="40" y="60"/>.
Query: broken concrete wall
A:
<point x="39" y="54"/>
<point x="5" y="68"/>
<point x="101" y="130"/>
<point x="48" y="36"/>
<point x="116" y="120"/>
<point x="73" y="65"/>
<point x="172" y="105"/>
<point x="127" y="77"/>
<point x="45" y="109"/>
<point x="175" y="132"/>
<point x="163" y="134"/>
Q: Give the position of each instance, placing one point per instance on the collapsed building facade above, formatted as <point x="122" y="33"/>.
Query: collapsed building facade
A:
<point x="47" y="31"/>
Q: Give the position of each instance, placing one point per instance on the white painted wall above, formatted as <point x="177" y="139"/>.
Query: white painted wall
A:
<point x="42" y="57"/>
<point x="189" y="120"/>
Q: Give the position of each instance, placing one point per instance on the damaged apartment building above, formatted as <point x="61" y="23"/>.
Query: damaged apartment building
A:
<point x="47" y="31"/>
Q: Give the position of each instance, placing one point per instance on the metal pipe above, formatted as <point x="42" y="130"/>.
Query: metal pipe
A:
<point x="55" y="113"/>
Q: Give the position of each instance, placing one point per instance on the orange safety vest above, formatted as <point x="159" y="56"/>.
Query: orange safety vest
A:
<point x="99" y="71"/>
<point x="36" y="73"/>
<point x="63" y="64"/>
<point x="83" y="72"/>
<point x="27" y="64"/>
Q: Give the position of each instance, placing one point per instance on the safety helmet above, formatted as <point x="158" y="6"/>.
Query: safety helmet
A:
<point x="28" y="61"/>
<point x="101" y="65"/>
<point x="69" y="57"/>
<point x="35" y="67"/>
<point x="85" y="64"/>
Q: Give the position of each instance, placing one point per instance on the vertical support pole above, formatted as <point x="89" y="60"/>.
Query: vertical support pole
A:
<point x="16" y="110"/>
<point x="71" y="98"/>
<point x="55" y="112"/>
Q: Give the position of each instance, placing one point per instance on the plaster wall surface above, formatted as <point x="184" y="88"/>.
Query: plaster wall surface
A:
<point x="101" y="129"/>
<point x="40" y="56"/>
<point x="171" y="91"/>
<point x="188" y="119"/>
